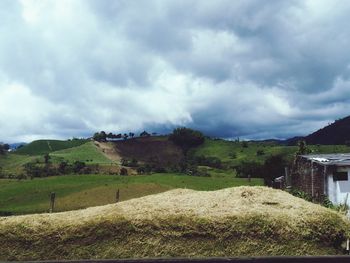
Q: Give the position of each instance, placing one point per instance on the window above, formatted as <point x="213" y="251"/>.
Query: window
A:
<point x="340" y="176"/>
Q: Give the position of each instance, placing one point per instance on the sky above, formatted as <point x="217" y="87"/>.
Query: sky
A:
<point x="251" y="69"/>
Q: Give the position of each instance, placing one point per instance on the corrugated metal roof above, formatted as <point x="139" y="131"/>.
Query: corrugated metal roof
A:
<point x="338" y="159"/>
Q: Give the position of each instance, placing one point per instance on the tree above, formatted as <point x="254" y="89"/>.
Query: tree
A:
<point x="131" y="134"/>
<point x="144" y="134"/>
<point x="62" y="167"/>
<point x="123" y="171"/>
<point x="100" y="136"/>
<point x="78" y="166"/>
<point x="47" y="158"/>
<point x="186" y="138"/>
<point x="302" y="148"/>
<point x="125" y="136"/>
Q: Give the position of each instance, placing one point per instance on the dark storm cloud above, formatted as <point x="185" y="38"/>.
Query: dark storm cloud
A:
<point x="252" y="69"/>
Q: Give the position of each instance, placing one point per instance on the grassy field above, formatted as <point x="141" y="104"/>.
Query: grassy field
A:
<point x="239" y="221"/>
<point x="41" y="147"/>
<point x="12" y="163"/>
<point x="79" y="191"/>
<point x="86" y="152"/>
<point x="233" y="153"/>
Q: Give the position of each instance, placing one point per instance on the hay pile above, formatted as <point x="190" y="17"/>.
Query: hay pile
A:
<point x="179" y="223"/>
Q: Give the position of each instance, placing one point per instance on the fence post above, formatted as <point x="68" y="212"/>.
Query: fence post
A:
<point x="117" y="196"/>
<point x="52" y="201"/>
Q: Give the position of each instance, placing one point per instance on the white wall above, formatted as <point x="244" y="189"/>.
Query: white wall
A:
<point x="338" y="190"/>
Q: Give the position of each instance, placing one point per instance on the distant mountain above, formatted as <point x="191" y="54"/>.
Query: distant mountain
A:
<point x="335" y="133"/>
<point x="14" y="146"/>
<point x="293" y="141"/>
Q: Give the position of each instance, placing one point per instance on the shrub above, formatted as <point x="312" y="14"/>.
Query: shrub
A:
<point x="233" y="155"/>
<point x="78" y="166"/>
<point x="249" y="168"/>
<point x="141" y="170"/>
<point x="260" y="152"/>
<point x="133" y="162"/>
<point x="301" y="194"/>
<point x="123" y="171"/>
<point x="63" y="167"/>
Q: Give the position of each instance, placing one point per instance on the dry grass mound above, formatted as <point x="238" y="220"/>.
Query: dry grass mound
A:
<point x="179" y="223"/>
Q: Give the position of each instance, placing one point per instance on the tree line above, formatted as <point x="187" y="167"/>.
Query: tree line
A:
<point x="102" y="136"/>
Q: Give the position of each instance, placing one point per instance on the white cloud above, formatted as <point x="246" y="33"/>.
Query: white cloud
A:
<point x="251" y="68"/>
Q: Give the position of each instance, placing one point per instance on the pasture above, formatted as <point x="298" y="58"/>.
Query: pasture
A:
<point x="234" y="153"/>
<point x="80" y="191"/>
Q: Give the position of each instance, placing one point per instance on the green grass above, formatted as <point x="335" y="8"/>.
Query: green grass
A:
<point x="87" y="152"/>
<point x="12" y="163"/>
<point x="41" y="147"/>
<point x="224" y="149"/>
<point x="32" y="196"/>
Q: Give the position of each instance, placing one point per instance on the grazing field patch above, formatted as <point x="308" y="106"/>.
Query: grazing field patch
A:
<point x="87" y="152"/>
<point x="41" y="147"/>
<point x="32" y="196"/>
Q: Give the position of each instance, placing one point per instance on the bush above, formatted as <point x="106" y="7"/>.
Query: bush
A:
<point x="260" y="152"/>
<point x="21" y="177"/>
<point x="301" y="194"/>
<point x="249" y="168"/>
<point x="63" y="167"/>
<point x="233" y="155"/>
<point x="244" y="144"/>
<point x="123" y="171"/>
<point x="78" y="166"/>
<point x="141" y="170"/>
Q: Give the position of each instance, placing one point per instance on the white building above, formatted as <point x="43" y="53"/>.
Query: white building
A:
<point x="323" y="175"/>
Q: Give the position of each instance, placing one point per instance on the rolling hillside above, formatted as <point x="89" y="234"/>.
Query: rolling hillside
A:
<point x="87" y="152"/>
<point x="41" y="147"/>
<point x="241" y="221"/>
<point x="234" y="153"/>
<point x="335" y="133"/>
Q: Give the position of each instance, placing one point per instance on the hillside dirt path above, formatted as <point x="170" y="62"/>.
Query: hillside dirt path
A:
<point x="49" y="145"/>
<point x="109" y="151"/>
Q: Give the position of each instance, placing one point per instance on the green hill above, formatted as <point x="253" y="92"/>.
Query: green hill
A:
<point x="41" y="147"/>
<point x="233" y="152"/>
<point x="86" y="152"/>
<point x="335" y="133"/>
<point x="240" y="221"/>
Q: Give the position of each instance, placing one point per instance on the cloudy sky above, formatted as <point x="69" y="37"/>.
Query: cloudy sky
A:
<point x="253" y="69"/>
